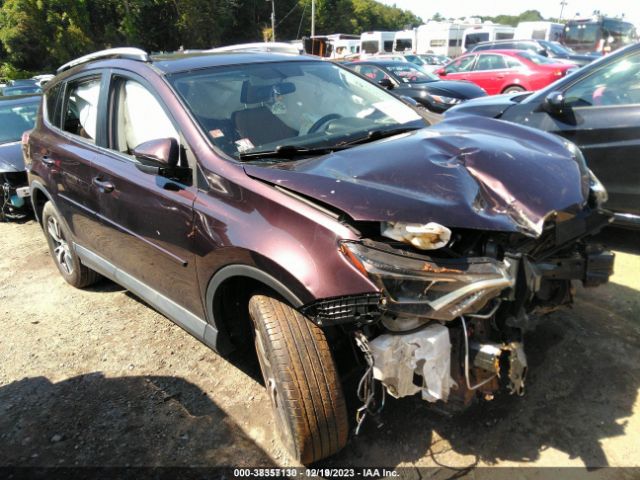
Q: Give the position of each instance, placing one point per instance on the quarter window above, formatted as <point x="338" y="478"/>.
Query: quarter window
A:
<point x="81" y="108"/>
<point x="51" y="101"/>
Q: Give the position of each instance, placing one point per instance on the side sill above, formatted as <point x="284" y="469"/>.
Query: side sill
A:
<point x="193" y="324"/>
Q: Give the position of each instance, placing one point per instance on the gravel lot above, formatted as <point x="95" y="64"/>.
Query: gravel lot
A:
<point x="96" y="377"/>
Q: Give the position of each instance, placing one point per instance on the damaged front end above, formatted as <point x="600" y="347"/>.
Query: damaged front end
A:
<point x="448" y="322"/>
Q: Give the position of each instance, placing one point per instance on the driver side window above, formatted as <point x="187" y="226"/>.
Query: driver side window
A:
<point x="138" y="116"/>
<point x="616" y="84"/>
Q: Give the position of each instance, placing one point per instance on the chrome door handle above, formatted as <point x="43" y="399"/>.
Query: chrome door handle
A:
<point x="103" y="185"/>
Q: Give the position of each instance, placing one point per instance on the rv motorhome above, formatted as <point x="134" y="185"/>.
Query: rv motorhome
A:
<point x="487" y="32"/>
<point x="376" y="42"/>
<point x="549" y="31"/>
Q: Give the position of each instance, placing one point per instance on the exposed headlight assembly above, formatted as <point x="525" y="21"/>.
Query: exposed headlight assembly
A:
<point x="597" y="190"/>
<point x="439" y="289"/>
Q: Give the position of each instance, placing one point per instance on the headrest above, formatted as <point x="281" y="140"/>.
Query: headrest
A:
<point x="262" y="93"/>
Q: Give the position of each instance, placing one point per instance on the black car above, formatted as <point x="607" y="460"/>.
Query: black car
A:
<point x="542" y="47"/>
<point x="17" y="114"/>
<point x="407" y="79"/>
<point x="598" y="108"/>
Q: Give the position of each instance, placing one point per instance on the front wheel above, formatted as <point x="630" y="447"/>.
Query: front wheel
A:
<point x="301" y="380"/>
<point x="61" y="249"/>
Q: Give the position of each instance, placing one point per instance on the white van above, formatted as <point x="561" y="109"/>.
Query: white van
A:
<point x="486" y="33"/>
<point x="376" y="42"/>
<point x="550" y="31"/>
<point x="441" y="38"/>
<point x="405" y="41"/>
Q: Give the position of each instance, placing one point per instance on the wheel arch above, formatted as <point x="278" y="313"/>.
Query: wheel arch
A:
<point x="227" y="298"/>
<point x="39" y="196"/>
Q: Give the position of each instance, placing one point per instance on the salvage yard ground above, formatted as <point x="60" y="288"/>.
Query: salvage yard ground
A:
<point x="96" y="377"/>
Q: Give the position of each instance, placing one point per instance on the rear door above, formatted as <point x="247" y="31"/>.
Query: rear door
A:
<point x="148" y="218"/>
<point x="604" y="121"/>
<point x="65" y="150"/>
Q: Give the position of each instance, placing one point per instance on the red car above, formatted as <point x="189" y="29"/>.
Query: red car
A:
<point x="506" y="71"/>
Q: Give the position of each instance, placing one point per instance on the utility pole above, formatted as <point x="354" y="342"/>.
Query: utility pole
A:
<point x="273" y="20"/>
<point x="563" y="3"/>
<point x="313" y="17"/>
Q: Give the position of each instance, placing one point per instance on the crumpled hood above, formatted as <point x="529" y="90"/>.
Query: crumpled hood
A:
<point x="466" y="172"/>
<point x="11" y="157"/>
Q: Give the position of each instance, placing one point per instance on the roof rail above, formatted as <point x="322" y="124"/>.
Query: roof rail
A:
<point x="121" y="52"/>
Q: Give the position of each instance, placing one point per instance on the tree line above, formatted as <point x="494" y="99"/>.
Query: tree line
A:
<point x="40" y="35"/>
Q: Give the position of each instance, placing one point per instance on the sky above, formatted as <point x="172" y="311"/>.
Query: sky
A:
<point x="548" y="8"/>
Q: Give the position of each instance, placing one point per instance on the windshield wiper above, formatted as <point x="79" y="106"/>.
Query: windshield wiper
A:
<point x="292" y="151"/>
<point x="289" y="151"/>
<point x="373" y="135"/>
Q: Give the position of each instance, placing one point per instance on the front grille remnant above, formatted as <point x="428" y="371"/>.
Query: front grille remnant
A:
<point x="361" y="309"/>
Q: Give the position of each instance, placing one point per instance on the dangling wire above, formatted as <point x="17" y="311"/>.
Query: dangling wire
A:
<point x="366" y="387"/>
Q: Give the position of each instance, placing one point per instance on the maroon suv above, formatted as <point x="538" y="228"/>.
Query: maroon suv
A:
<point x="290" y="203"/>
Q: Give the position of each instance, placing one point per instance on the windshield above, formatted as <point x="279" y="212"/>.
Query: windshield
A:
<point x="415" y="59"/>
<point x="407" y="72"/>
<point x="535" y="58"/>
<point x="557" y="48"/>
<point x="16" y="119"/>
<point x="21" y="90"/>
<point x="403" y="44"/>
<point x="258" y="107"/>
<point x="370" y="46"/>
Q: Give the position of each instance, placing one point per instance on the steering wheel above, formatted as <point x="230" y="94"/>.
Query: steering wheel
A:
<point x="320" y="122"/>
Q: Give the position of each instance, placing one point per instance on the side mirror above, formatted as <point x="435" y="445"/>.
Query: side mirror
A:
<point x="162" y="150"/>
<point x="543" y="52"/>
<point x="441" y="71"/>
<point x="553" y="104"/>
<point x="386" y="83"/>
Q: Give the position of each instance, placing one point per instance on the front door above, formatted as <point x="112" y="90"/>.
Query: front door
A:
<point x="148" y="219"/>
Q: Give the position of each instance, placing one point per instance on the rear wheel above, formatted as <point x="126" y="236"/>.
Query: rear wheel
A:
<point x="61" y="249"/>
<point x="301" y="380"/>
<point x="513" y="89"/>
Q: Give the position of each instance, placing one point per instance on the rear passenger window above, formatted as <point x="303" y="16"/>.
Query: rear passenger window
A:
<point x="51" y="102"/>
<point x="490" y="62"/>
<point x="81" y="108"/>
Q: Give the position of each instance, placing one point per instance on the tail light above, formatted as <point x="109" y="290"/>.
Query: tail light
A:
<point x="25" y="147"/>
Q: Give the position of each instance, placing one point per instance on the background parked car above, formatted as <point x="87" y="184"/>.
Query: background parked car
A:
<point x="17" y="114"/>
<point x="505" y="71"/>
<point x="407" y="79"/>
<point x="21" y="90"/>
<point x="554" y="50"/>
<point x="598" y="108"/>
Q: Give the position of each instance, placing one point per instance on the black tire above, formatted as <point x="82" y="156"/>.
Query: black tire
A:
<point x="301" y="380"/>
<point x="61" y="249"/>
<point x="513" y="89"/>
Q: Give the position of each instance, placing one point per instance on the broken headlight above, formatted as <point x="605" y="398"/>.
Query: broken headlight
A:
<point x="439" y="289"/>
<point x="597" y="191"/>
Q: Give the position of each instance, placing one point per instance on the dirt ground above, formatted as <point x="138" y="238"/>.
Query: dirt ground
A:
<point x="95" y="377"/>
